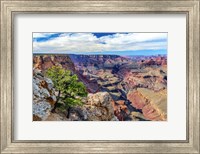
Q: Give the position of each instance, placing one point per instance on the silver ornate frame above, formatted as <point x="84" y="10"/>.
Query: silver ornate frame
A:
<point x="11" y="7"/>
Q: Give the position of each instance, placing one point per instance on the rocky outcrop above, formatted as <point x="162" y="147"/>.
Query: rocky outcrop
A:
<point x="56" y="117"/>
<point x="43" y="96"/>
<point x="43" y="62"/>
<point x="153" y="104"/>
<point x="98" y="107"/>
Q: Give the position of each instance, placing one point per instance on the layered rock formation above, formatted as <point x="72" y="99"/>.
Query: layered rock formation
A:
<point x="151" y="78"/>
<point x="119" y="76"/>
<point x="134" y="87"/>
<point x="153" y="104"/>
<point x="43" y="62"/>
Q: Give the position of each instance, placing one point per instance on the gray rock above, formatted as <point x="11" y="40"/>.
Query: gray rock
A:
<point x="49" y="83"/>
<point x="42" y="105"/>
<point x="44" y="92"/>
<point x="54" y="98"/>
<point x="38" y="73"/>
<point x="114" y="119"/>
<point x="36" y="90"/>
<point x="85" y="116"/>
<point x="36" y="81"/>
<point x="41" y="109"/>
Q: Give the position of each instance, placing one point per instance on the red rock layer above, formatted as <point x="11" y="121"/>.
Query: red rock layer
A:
<point x="43" y="62"/>
<point x="153" y="105"/>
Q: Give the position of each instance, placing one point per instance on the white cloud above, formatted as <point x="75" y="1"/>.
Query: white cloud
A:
<point x="42" y="35"/>
<point x="88" y="42"/>
<point x="133" y="38"/>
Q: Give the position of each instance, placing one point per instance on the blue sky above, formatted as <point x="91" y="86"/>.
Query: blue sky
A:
<point x="100" y="43"/>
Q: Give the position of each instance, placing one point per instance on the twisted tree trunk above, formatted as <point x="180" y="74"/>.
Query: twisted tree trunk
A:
<point x="56" y="104"/>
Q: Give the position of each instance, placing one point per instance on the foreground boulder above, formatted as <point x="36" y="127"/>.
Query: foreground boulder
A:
<point x="98" y="107"/>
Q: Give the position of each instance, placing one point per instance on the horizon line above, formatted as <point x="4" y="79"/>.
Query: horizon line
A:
<point x="124" y="52"/>
<point x="98" y="54"/>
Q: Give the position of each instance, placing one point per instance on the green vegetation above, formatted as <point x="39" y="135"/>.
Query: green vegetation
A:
<point x="70" y="90"/>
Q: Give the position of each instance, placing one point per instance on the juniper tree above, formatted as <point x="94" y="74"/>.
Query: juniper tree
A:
<point x="70" y="90"/>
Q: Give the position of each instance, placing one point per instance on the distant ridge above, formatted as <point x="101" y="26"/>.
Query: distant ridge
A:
<point x="99" y="54"/>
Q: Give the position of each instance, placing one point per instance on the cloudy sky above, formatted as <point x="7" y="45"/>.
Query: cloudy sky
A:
<point x="101" y="43"/>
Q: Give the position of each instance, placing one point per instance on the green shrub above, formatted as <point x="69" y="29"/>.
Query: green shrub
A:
<point x="70" y="90"/>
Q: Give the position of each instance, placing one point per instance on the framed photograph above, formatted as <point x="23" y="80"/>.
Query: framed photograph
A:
<point x="100" y="76"/>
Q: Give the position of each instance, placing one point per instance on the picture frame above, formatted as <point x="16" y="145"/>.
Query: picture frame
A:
<point x="10" y="8"/>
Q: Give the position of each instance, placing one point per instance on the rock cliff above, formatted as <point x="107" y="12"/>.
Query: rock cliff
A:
<point x="153" y="104"/>
<point x="43" y="96"/>
<point x="43" y="62"/>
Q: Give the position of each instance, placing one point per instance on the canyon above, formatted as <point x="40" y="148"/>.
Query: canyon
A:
<point x="121" y="88"/>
